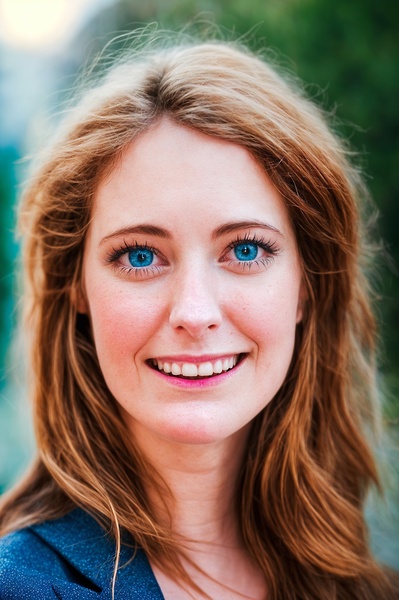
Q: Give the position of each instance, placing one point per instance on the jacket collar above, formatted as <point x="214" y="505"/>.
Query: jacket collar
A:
<point x="82" y="542"/>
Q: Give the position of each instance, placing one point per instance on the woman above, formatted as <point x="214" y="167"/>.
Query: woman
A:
<point x="202" y="345"/>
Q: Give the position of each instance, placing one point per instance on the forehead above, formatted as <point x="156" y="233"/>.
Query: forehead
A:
<point x="175" y="172"/>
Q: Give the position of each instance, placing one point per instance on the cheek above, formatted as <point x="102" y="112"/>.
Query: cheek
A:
<point x="268" y="313"/>
<point x="122" y="322"/>
<point x="269" y="319"/>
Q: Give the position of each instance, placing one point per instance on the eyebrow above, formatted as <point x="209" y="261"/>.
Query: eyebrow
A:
<point x="146" y="228"/>
<point x="236" y="225"/>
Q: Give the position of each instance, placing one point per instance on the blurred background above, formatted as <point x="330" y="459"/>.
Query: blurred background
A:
<point x="347" y="54"/>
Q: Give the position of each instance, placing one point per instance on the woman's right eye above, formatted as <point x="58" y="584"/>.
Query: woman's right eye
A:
<point x="140" y="257"/>
<point x="137" y="260"/>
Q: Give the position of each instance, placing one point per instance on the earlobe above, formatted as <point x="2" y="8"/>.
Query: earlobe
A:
<point x="78" y="300"/>
<point x="299" y="313"/>
<point x="302" y="298"/>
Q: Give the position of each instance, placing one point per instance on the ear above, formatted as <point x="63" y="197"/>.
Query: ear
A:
<point x="302" y="298"/>
<point x="78" y="299"/>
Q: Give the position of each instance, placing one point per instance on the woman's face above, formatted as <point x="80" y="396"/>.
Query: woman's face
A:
<point x="192" y="284"/>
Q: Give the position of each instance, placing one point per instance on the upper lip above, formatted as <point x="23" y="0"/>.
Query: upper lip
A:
<point x="186" y="358"/>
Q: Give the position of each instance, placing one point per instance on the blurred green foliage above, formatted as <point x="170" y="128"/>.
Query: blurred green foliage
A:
<point x="7" y="250"/>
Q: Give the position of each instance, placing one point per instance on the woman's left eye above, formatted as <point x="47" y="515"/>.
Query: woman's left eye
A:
<point x="250" y="254"/>
<point x="246" y="251"/>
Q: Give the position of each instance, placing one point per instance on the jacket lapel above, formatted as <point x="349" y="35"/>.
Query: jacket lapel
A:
<point x="81" y="541"/>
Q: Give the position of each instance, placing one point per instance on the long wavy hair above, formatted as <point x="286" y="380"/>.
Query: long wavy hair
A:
<point x="308" y="465"/>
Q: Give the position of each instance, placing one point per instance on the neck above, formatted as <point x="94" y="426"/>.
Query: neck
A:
<point x="201" y="486"/>
<point x="199" y="507"/>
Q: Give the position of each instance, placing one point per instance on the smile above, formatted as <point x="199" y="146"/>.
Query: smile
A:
<point x="196" y="370"/>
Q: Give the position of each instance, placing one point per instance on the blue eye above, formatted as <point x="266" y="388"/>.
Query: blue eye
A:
<point x="246" y="251"/>
<point x="141" y="257"/>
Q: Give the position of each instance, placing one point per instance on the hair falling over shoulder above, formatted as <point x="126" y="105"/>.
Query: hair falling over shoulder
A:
<point x="308" y="466"/>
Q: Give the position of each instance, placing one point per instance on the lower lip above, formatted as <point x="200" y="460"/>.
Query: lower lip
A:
<point x="198" y="383"/>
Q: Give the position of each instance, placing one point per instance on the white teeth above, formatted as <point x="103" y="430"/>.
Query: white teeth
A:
<point x="189" y="370"/>
<point x="206" y="369"/>
<point x="218" y="366"/>
<point x="176" y="370"/>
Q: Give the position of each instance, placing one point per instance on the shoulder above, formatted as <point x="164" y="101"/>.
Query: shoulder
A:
<point x="69" y="558"/>
<point x="34" y="565"/>
<point x="29" y="551"/>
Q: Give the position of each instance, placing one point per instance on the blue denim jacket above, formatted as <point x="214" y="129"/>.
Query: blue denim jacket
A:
<point x="71" y="559"/>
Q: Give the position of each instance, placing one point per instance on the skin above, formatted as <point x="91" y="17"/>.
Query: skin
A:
<point x="196" y="302"/>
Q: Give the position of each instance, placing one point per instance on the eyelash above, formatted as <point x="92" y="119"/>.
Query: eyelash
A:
<point x="267" y="245"/>
<point x="117" y="253"/>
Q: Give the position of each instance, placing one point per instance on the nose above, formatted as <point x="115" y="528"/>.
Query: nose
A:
<point x="195" y="307"/>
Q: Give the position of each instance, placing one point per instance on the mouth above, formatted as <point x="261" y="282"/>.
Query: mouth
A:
<point x="196" y="370"/>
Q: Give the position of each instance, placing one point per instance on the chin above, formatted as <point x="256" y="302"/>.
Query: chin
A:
<point x="199" y="431"/>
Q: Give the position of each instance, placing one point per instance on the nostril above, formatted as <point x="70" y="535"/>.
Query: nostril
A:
<point x="195" y="320"/>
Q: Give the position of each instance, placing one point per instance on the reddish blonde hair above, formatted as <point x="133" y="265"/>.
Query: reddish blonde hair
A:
<point x="308" y="466"/>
